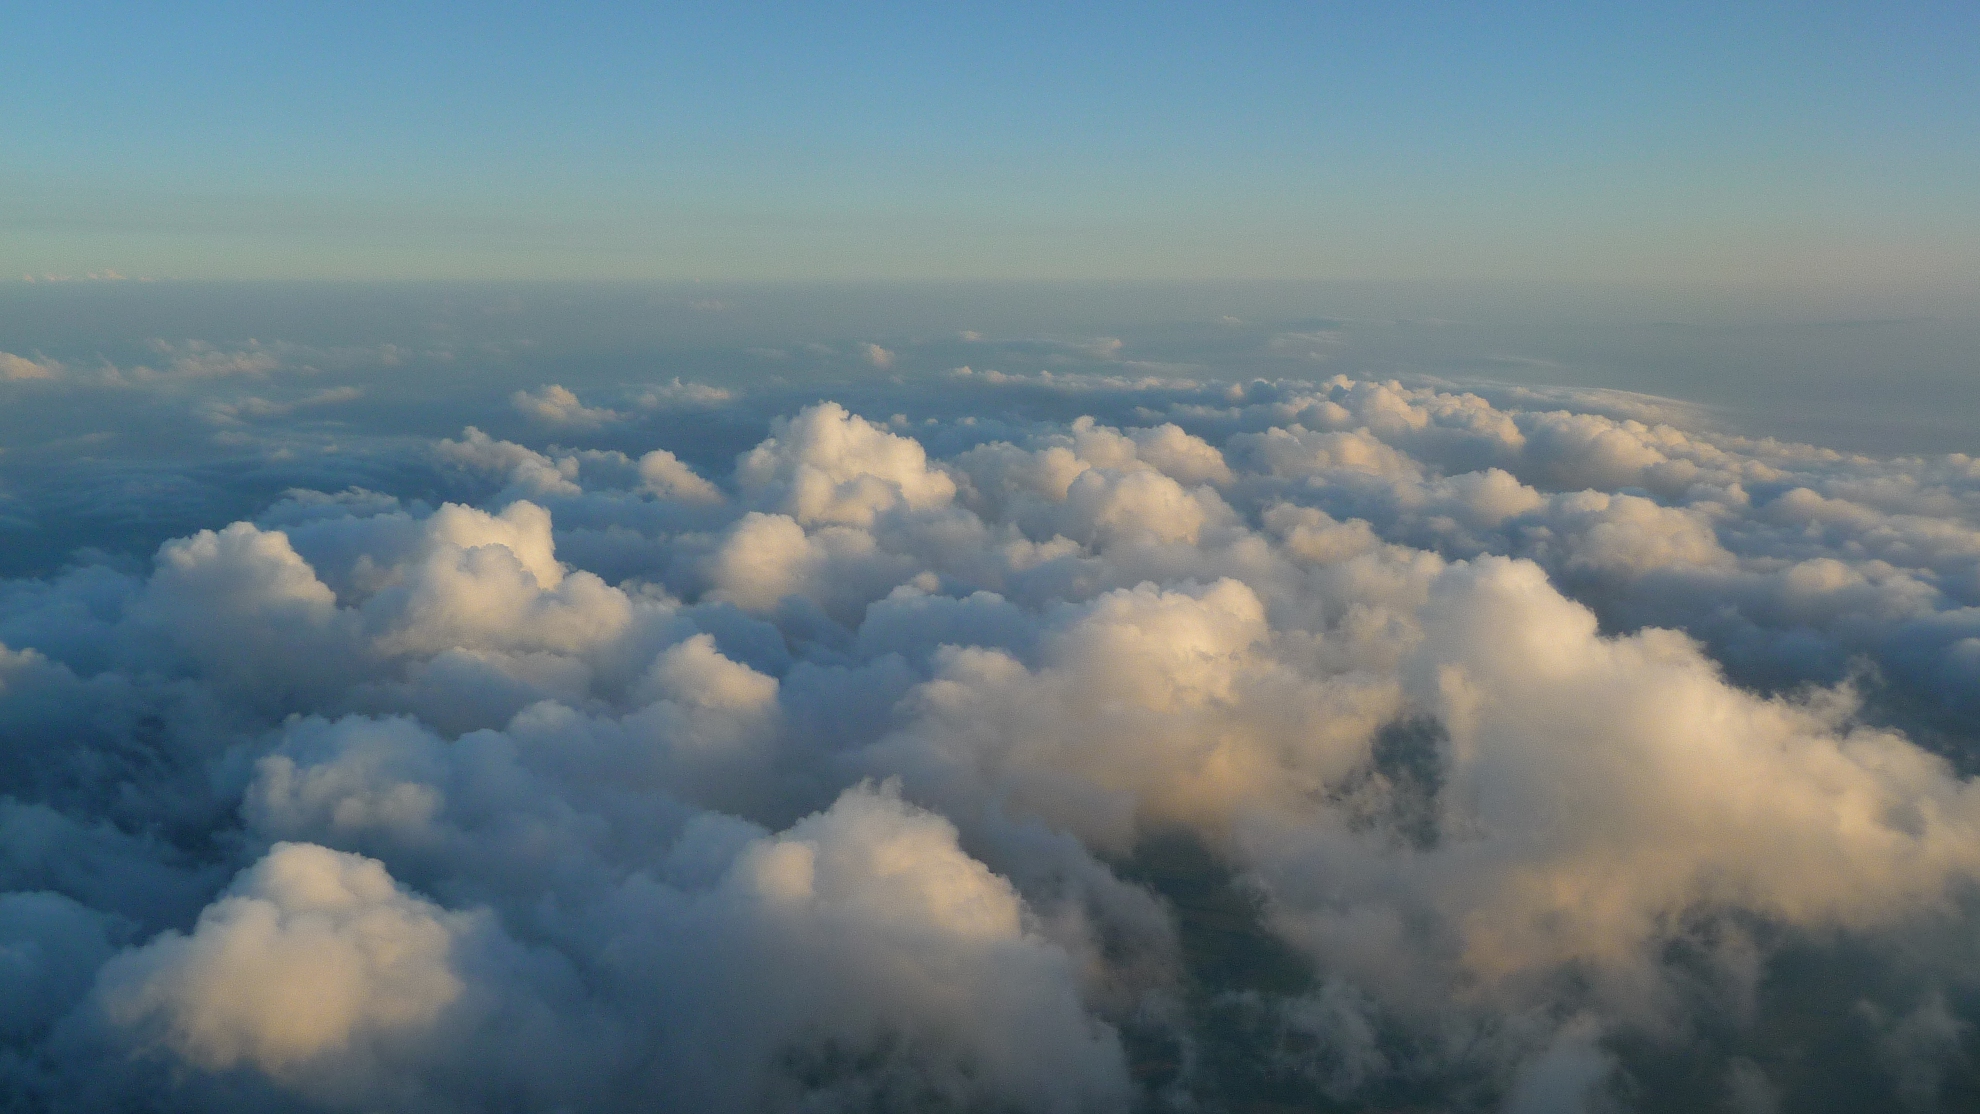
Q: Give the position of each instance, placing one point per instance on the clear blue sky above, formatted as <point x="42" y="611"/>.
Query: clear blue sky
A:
<point x="1661" y="142"/>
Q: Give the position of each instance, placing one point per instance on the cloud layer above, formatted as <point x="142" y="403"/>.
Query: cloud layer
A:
<point x="1348" y="745"/>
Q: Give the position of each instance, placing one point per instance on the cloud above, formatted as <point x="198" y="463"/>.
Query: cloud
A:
<point x="1313" y="344"/>
<point x="826" y="465"/>
<point x="553" y="405"/>
<point x="188" y="366"/>
<point x="252" y="408"/>
<point x="677" y="393"/>
<point x="15" y="369"/>
<point x="1080" y="743"/>
<point x="310" y="952"/>
<point x="198" y="359"/>
<point x="877" y="356"/>
<point x="662" y="473"/>
<point x="108" y="274"/>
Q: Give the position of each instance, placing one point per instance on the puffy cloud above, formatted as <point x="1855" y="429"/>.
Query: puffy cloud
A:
<point x="248" y="612"/>
<point x="15" y="369"/>
<point x="662" y="473"/>
<point x="867" y="926"/>
<point x="50" y="949"/>
<point x="829" y="466"/>
<point x="1151" y="708"/>
<point x="525" y="469"/>
<point x="1665" y="789"/>
<point x="767" y="558"/>
<point x="1351" y="743"/>
<point x="555" y="405"/>
<point x="311" y="953"/>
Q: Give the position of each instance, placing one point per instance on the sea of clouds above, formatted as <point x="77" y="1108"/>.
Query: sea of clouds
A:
<point x="1081" y="742"/>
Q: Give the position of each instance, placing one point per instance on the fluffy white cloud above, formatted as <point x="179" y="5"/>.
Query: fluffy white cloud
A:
<point x="864" y="934"/>
<point x="1597" y="792"/>
<point x="662" y="473"/>
<point x="526" y="470"/>
<point x="829" y="466"/>
<point x="556" y="405"/>
<point x="16" y="369"/>
<point x="1377" y="744"/>
<point x="311" y="953"/>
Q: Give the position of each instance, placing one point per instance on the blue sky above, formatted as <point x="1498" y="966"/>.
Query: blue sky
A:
<point x="1745" y="144"/>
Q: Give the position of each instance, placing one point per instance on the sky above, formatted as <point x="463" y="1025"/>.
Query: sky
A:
<point x="1760" y="146"/>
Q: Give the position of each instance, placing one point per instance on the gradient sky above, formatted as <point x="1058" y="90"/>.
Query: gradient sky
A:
<point x="1687" y="143"/>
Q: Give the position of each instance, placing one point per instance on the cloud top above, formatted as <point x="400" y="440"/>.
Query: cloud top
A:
<point x="1350" y="742"/>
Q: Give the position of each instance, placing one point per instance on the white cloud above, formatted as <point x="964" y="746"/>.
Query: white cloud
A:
<point x="1522" y="740"/>
<point x="526" y="470"/>
<point x="252" y="408"/>
<point x="15" y="369"/>
<point x="198" y="359"/>
<point x="826" y="465"/>
<point x="554" y="405"/>
<point x="662" y="473"/>
<point x="311" y="952"/>
<point x="678" y="393"/>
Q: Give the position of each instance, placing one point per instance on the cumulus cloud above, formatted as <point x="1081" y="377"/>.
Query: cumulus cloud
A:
<point x="829" y="466"/>
<point x="879" y="357"/>
<point x="15" y="369"/>
<point x="310" y="952"/>
<point x="1170" y="745"/>
<point x="554" y="405"/>
<point x="662" y="473"/>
